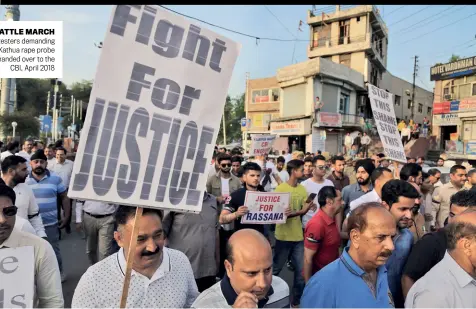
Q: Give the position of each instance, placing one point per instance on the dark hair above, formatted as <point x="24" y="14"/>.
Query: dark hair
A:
<point x="459" y="230"/>
<point x="319" y="152"/>
<point x="358" y="217"/>
<point x="6" y="191"/>
<point x="124" y="213"/>
<point x="239" y="172"/>
<point x="229" y="252"/>
<point x="441" y="159"/>
<point x="292" y="165"/>
<point x="281" y="160"/>
<point x="466" y="198"/>
<point x="52" y="146"/>
<point x="236" y="159"/>
<point x="318" y="158"/>
<point x="377" y="173"/>
<point x="223" y="157"/>
<point x="251" y="166"/>
<point x="11" y="162"/>
<point x="28" y="140"/>
<point x="61" y="148"/>
<point x="367" y="164"/>
<point x="471" y="172"/>
<point x="35" y="144"/>
<point x="396" y="188"/>
<point x="433" y="171"/>
<point x="325" y="193"/>
<point x="456" y="167"/>
<point x="381" y="155"/>
<point x="410" y="170"/>
<point x="309" y="159"/>
<point x="421" y="157"/>
<point x="12" y="145"/>
<point x="59" y="143"/>
<point x="236" y="152"/>
<point x="334" y="159"/>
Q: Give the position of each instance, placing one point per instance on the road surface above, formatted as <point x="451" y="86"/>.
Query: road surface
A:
<point x="75" y="263"/>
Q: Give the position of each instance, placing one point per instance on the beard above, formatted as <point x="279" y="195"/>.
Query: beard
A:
<point x="39" y="171"/>
<point x="362" y="181"/>
<point x="17" y="179"/>
<point x="225" y="170"/>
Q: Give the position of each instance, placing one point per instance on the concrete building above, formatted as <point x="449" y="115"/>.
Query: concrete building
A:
<point x="358" y="38"/>
<point x="454" y="119"/>
<point x="8" y="88"/>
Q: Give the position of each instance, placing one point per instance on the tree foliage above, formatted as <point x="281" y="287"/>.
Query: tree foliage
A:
<point x="28" y="126"/>
<point x="454" y="58"/>
<point x="233" y="112"/>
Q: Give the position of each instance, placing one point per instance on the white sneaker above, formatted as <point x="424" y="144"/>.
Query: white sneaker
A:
<point x="63" y="277"/>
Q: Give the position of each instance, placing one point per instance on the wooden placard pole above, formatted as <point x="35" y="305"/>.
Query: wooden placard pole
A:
<point x="130" y="257"/>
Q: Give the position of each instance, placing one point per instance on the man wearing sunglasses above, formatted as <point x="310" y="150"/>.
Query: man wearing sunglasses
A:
<point x="48" y="290"/>
<point x="224" y="183"/>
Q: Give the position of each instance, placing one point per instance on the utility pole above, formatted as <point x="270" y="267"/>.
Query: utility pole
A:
<point x="224" y="128"/>
<point x="48" y="104"/>
<point x="415" y="72"/>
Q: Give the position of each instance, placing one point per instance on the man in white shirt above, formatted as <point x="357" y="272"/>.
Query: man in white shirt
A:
<point x="315" y="184"/>
<point x="62" y="166"/>
<point x="14" y="173"/>
<point x="282" y="173"/>
<point x="48" y="290"/>
<point x="161" y="277"/>
<point x="50" y="154"/>
<point x="10" y="150"/>
<point x="97" y="220"/>
<point x="27" y="150"/>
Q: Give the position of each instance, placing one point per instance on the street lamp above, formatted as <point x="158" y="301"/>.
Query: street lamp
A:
<point x="14" y="125"/>
<point x="69" y="131"/>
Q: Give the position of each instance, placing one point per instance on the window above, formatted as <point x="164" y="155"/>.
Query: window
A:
<point x="344" y="103"/>
<point x="398" y="100"/>
<point x="420" y="108"/>
<point x="429" y="110"/>
<point x="263" y="96"/>
<point x="409" y="103"/>
<point x="459" y="88"/>
<point x="321" y="34"/>
<point x="474" y="89"/>
<point x="358" y="19"/>
<point x="345" y="59"/>
<point x="266" y="119"/>
<point x="344" y="31"/>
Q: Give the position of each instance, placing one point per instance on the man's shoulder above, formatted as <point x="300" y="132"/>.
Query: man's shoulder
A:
<point x="103" y="267"/>
<point x="325" y="276"/>
<point x="177" y="257"/>
<point x="211" y="298"/>
<point x="23" y="187"/>
<point x="328" y="182"/>
<point x="280" y="289"/>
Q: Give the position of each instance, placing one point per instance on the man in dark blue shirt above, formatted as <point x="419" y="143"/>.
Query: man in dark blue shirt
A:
<point x="358" y="279"/>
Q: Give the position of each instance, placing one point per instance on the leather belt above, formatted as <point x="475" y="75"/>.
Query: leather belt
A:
<point x="97" y="216"/>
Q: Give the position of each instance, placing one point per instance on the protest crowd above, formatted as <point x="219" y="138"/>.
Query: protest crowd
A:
<point x="355" y="233"/>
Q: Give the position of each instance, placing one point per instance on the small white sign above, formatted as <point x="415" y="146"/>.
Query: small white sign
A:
<point x="261" y="144"/>
<point x="266" y="207"/>
<point x="31" y="49"/>
<point x="154" y="111"/>
<point x="381" y="102"/>
<point x="17" y="277"/>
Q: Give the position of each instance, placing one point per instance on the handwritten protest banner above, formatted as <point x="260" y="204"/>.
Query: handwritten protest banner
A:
<point x="381" y="102"/>
<point x="265" y="207"/>
<point x="17" y="277"/>
<point x="154" y="111"/>
<point x="261" y="144"/>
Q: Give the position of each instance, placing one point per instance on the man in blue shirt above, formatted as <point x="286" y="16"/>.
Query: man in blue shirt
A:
<point x="358" y="279"/>
<point x="47" y="186"/>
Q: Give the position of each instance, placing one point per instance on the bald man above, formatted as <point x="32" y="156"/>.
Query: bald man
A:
<point x="451" y="283"/>
<point x="249" y="280"/>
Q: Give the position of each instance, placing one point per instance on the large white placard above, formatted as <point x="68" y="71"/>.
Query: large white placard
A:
<point x="381" y="102"/>
<point x="154" y="111"/>
<point x="17" y="277"/>
<point x="266" y="207"/>
<point x="261" y="144"/>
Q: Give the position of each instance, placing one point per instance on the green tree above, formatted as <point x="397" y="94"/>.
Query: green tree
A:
<point x="454" y="58"/>
<point x="233" y="112"/>
<point x="27" y="124"/>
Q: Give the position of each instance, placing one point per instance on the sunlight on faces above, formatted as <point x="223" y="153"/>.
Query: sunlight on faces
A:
<point x="402" y="211"/>
<point x="382" y="180"/>
<point x="27" y="146"/>
<point x="458" y="178"/>
<point x="252" y="178"/>
<point x="150" y="239"/>
<point x="435" y="179"/>
<point x="374" y="244"/>
<point x="308" y="168"/>
<point x="362" y="176"/>
<point x="336" y="203"/>
<point x="235" y="166"/>
<point x="38" y="166"/>
<point x="298" y="172"/>
<point x="6" y="222"/>
<point x="19" y="173"/>
<point x="252" y="268"/>
<point x="60" y="156"/>
<point x="454" y="211"/>
<point x="49" y="153"/>
<point x="338" y="166"/>
<point x="320" y="168"/>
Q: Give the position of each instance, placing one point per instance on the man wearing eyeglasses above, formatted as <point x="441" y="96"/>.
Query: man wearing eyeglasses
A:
<point x="48" y="290"/>
<point x="224" y="183"/>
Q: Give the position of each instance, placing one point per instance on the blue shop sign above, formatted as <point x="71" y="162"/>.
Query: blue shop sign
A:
<point x="454" y="107"/>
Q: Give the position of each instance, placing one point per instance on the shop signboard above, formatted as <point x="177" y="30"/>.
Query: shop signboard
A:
<point x="325" y="119"/>
<point x="446" y="120"/>
<point x="466" y="105"/>
<point x="471" y="148"/>
<point x="454" y="106"/>
<point x="441" y="107"/>
<point x="462" y="67"/>
<point x="454" y="146"/>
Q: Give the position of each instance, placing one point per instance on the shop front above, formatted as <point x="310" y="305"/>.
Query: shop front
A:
<point x="292" y="132"/>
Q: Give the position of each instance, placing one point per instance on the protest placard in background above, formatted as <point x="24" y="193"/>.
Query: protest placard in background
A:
<point x="381" y="102"/>
<point x="17" y="277"/>
<point x="261" y="144"/>
<point x="154" y="111"/>
<point x="265" y="207"/>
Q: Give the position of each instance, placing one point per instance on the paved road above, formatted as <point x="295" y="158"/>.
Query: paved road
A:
<point x="73" y="251"/>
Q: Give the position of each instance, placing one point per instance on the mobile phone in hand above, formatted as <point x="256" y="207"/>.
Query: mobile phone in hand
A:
<point x="311" y="197"/>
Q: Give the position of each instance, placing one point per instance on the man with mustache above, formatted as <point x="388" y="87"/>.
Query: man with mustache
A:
<point x="161" y="277"/>
<point x="47" y="187"/>
<point x="399" y="197"/>
<point x="358" y="278"/>
<point x="14" y="173"/>
<point x="249" y="280"/>
<point x="223" y="183"/>
<point x="47" y="282"/>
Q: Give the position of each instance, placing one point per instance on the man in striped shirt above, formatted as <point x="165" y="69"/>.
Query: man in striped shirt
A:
<point x="249" y="280"/>
<point x="47" y="187"/>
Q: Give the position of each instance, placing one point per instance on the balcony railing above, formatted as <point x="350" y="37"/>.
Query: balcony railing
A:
<point x="351" y="119"/>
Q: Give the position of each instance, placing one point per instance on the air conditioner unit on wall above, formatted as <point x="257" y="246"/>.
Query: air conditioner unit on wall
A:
<point x="448" y="97"/>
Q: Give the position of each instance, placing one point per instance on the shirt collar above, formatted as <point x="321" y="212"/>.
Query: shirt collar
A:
<point x="47" y="174"/>
<point x="13" y="241"/>
<point x="159" y="273"/>
<point x="328" y="220"/>
<point x="459" y="273"/>
<point x="359" y="188"/>
<point x="230" y="294"/>
<point x="354" y="268"/>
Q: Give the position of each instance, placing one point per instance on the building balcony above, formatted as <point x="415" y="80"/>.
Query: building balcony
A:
<point x="351" y="120"/>
<point x="263" y="107"/>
